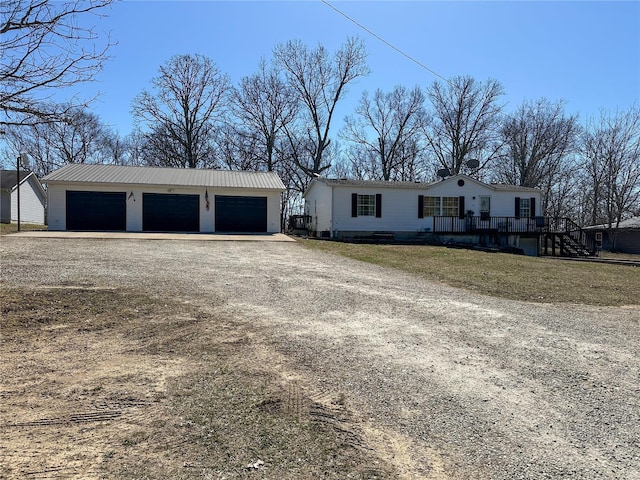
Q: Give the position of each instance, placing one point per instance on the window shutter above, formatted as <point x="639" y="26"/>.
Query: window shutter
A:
<point x="461" y="206"/>
<point x="420" y="206"/>
<point x="533" y="207"/>
<point x="378" y="205"/>
<point x="354" y="204"/>
<point x="517" y="212"/>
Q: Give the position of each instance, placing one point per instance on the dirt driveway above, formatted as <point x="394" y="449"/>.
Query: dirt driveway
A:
<point x="439" y="382"/>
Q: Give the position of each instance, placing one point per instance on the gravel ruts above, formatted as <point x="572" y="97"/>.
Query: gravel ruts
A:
<point x="458" y="385"/>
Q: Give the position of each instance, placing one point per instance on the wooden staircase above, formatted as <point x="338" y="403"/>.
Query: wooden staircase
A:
<point x="564" y="238"/>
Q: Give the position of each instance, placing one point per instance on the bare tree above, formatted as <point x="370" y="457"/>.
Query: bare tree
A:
<point x="537" y="140"/>
<point x="563" y="195"/>
<point x="52" y="145"/>
<point x="611" y="163"/>
<point x="263" y="106"/>
<point x="190" y="96"/>
<point x="320" y="81"/>
<point x="385" y="133"/>
<point x="45" y="48"/>
<point x="465" y="123"/>
<point x="115" y="149"/>
<point x="239" y="148"/>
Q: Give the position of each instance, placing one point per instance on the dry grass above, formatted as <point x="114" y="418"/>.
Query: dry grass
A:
<point x="7" y="228"/>
<point x="620" y="256"/>
<point x="104" y="383"/>
<point x="536" y="279"/>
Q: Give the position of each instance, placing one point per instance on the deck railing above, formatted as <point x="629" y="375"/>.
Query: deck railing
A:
<point x="476" y="225"/>
<point x="299" y="222"/>
<point x="514" y="225"/>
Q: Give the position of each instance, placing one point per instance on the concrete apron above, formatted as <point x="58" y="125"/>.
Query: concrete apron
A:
<point x="258" y="237"/>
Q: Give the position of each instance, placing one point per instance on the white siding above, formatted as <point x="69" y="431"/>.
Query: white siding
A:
<point x="319" y="204"/>
<point x="134" y="209"/>
<point x="471" y="191"/>
<point x="502" y="201"/>
<point x="31" y="203"/>
<point x="399" y="210"/>
<point x="330" y="205"/>
<point x="56" y="211"/>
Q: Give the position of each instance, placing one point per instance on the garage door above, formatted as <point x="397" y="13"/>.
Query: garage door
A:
<point x="170" y="212"/>
<point x="98" y="211"/>
<point x="241" y="214"/>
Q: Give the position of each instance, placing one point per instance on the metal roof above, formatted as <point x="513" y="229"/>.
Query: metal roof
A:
<point x="512" y="188"/>
<point x="344" y="182"/>
<point x="182" y="177"/>
<point x="632" y="223"/>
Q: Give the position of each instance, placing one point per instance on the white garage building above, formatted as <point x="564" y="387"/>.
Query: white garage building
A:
<point x="136" y="199"/>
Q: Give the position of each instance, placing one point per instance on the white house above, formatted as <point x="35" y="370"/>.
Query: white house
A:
<point x="33" y="198"/>
<point x="124" y="198"/>
<point x="458" y="208"/>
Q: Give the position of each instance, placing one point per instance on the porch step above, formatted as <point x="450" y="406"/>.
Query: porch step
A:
<point x="568" y="246"/>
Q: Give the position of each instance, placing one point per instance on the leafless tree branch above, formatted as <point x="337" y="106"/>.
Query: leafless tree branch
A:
<point x="45" y="48"/>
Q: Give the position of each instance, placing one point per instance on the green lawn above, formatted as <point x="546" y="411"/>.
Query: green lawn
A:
<point x="535" y="279"/>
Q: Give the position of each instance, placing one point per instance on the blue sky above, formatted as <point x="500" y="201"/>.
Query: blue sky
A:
<point x="587" y="53"/>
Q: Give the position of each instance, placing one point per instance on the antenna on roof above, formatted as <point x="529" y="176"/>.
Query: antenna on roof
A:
<point x="473" y="163"/>
<point x="443" y="173"/>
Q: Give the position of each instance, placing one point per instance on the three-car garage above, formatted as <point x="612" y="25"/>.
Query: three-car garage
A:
<point x="151" y="199"/>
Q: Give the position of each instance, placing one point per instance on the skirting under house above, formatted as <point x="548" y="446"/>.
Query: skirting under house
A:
<point x="150" y="199"/>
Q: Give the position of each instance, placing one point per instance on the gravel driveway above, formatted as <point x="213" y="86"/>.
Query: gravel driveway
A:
<point x="442" y="382"/>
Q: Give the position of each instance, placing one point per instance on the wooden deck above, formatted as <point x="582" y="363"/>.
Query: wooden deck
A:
<point x="558" y="236"/>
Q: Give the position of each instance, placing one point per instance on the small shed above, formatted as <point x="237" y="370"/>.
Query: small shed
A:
<point x="33" y="198"/>
<point x="623" y="238"/>
<point x="152" y="199"/>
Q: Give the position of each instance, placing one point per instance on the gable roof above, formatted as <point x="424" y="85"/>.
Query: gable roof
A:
<point x="8" y="178"/>
<point x="8" y="181"/>
<point x="343" y="182"/>
<point x="160" y="176"/>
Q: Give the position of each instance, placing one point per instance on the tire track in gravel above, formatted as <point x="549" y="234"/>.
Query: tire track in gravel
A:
<point x="451" y="383"/>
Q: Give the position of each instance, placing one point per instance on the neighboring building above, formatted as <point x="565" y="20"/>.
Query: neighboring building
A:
<point x="33" y="198"/>
<point x="135" y="199"/>
<point x="625" y="238"/>
<point x="456" y="209"/>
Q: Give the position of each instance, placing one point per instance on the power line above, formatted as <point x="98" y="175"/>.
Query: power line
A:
<point x="385" y="42"/>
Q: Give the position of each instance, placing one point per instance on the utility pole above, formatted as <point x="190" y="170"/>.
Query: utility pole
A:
<point x="19" y="159"/>
<point x="22" y="157"/>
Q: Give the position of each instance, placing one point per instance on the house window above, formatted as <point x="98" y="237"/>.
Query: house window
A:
<point x="450" y="206"/>
<point x="485" y="207"/>
<point x="525" y="207"/>
<point x="431" y="206"/>
<point x="366" y="205"/>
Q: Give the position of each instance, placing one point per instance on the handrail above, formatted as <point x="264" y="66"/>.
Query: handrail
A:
<point x="490" y="225"/>
<point x="514" y="225"/>
<point x="299" y="222"/>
